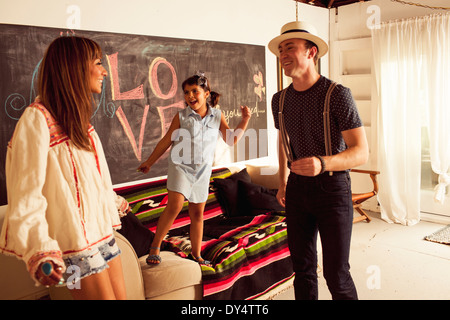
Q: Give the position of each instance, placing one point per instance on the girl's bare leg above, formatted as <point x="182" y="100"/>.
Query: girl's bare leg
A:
<point x="196" y="230"/>
<point x="174" y="205"/>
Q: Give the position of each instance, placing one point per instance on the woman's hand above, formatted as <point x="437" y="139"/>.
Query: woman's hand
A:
<point x="49" y="274"/>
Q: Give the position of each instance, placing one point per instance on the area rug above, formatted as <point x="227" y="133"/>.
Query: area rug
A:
<point x="440" y="236"/>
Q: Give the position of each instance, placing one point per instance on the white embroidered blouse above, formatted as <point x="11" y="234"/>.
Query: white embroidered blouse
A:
<point x="60" y="198"/>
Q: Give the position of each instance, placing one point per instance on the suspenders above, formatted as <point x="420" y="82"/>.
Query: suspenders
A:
<point x="326" y="120"/>
<point x="284" y="136"/>
<point x="326" y="124"/>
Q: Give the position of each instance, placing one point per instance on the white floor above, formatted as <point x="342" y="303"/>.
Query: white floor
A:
<point x="394" y="262"/>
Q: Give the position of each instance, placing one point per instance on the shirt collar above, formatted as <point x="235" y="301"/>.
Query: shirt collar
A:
<point x="195" y="114"/>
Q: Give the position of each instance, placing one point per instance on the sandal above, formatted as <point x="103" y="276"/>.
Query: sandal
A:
<point x="200" y="260"/>
<point x="153" y="258"/>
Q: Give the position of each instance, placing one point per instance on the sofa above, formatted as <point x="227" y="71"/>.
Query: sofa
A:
<point x="15" y="282"/>
<point x="244" y="237"/>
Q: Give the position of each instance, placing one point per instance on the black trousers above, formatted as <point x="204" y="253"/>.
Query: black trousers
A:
<point x="320" y="204"/>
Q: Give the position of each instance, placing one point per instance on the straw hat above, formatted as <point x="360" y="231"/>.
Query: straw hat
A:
<point x="299" y="30"/>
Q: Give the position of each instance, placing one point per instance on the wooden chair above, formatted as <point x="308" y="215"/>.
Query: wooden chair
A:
<point x="359" y="198"/>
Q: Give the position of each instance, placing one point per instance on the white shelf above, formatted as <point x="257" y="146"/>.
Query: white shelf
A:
<point x="351" y="64"/>
<point x="359" y="84"/>
<point x="357" y="76"/>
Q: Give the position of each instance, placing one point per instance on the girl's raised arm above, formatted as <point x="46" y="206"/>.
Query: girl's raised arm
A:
<point x="231" y="137"/>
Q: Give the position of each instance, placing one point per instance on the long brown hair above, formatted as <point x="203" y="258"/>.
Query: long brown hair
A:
<point x="64" y="85"/>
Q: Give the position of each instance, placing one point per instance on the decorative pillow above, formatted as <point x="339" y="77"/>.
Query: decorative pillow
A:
<point x="255" y="199"/>
<point x="228" y="192"/>
<point x="137" y="234"/>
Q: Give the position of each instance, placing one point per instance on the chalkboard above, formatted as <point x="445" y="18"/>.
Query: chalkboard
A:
<point x="142" y="92"/>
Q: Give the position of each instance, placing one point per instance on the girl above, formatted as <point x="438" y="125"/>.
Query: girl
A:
<point x="61" y="205"/>
<point x="198" y="126"/>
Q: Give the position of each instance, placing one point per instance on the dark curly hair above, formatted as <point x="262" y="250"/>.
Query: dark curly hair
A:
<point x="202" y="81"/>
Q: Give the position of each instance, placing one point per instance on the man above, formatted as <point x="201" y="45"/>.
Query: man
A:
<point x="317" y="193"/>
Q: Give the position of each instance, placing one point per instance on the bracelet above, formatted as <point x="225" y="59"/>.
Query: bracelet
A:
<point x="322" y="162"/>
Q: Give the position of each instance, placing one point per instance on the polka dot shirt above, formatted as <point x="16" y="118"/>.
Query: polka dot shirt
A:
<point x="303" y="114"/>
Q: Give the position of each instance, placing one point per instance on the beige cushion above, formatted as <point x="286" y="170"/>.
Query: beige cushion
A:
<point x="172" y="274"/>
<point x="266" y="176"/>
<point x="188" y="293"/>
<point x="15" y="281"/>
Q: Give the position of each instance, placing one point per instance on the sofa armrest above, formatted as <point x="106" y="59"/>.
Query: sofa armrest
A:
<point x="15" y="281"/>
<point x="134" y="283"/>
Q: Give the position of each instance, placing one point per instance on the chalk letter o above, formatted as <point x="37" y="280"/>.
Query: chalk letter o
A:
<point x="153" y="77"/>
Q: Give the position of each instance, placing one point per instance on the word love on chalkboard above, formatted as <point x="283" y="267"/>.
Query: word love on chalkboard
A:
<point x="142" y="92"/>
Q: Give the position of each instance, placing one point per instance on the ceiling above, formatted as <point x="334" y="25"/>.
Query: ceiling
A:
<point x="330" y="3"/>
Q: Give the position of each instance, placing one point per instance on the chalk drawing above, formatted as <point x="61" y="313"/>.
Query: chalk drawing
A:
<point x="153" y="77"/>
<point x="15" y="102"/>
<point x="136" y="93"/>
<point x="126" y="127"/>
<point x="167" y="113"/>
<point x="259" y="89"/>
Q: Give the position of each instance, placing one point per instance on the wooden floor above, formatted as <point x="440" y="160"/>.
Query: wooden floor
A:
<point x="394" y="262"/>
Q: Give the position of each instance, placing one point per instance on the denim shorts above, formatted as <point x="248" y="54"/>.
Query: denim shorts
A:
<point x="90" y="261"/>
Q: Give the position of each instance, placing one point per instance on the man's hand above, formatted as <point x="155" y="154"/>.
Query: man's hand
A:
<point x="281" y="196"/>
<point x="309" y="167"/>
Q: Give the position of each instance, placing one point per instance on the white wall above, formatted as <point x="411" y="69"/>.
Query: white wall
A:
<point x="352" y="19"/>
<point x="240" y="21"/>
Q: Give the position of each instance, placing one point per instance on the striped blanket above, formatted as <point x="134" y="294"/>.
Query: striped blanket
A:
<point x="249" y="254"/>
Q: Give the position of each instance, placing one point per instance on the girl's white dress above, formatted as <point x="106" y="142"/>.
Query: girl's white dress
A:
<point x="192" y="154"/>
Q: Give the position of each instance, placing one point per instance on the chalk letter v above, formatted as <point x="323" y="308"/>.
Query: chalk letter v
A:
<point x="126" y="127"/>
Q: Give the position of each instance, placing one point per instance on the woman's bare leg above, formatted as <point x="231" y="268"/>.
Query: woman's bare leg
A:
<point x="106" y="285"/>
<point x="116" y="277"/>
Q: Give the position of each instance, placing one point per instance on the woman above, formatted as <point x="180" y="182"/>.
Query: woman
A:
<point x="62" y="209"/>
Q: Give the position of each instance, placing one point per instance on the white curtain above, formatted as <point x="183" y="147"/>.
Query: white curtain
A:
<point x="411" y="59"/>
<point x="437" y="70"/>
